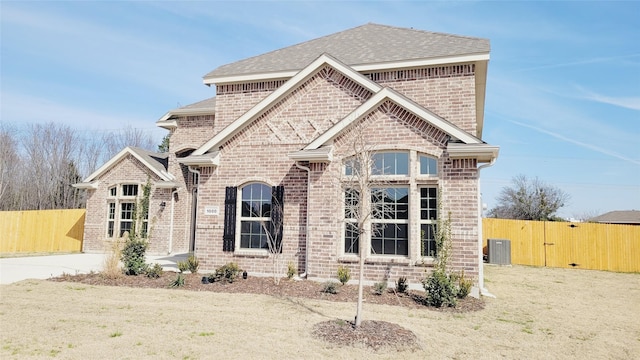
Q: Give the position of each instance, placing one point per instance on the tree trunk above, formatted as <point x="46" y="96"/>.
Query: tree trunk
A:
<point x="360" y="290"/>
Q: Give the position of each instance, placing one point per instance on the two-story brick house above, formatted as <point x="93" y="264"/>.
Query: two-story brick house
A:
<point x="280" y="131"/>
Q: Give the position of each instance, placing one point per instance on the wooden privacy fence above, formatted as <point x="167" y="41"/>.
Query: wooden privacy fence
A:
<point x="41" y="231"/>
<point x="568" y="245"/>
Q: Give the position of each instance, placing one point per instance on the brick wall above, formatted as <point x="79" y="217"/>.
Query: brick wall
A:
<point x="448" y="91"/>
<point x="258" y="154"/>
<point x="127" y="171"/>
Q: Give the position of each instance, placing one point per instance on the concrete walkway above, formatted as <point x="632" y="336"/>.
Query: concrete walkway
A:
<point x="43" y="267"/>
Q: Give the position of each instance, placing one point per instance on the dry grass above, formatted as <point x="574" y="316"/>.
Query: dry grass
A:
<point x="539" y="313"/>
<point x="111" y="267"/>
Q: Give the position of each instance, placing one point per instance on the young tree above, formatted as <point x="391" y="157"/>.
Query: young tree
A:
<point x="529" y="199"/>
<point x="362" y="203"/>
<point x="273" y="230"/>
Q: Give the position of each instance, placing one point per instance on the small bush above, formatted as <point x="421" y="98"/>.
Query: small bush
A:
<point x="330" y="287"/>
<point x="178" y="282"/>
<point x="227" y="273"/>
<point x="154" y="271"/>
<point x="183" y="266"/>
<point x="464" y="286"/>
<point x="379" y="288"/>
<point x="291" y="270"/>
<point x="440" y="288"/>
<point x="133" y="256"/>
<point x="344" y="274"/>
<point x="402" y="285"/>
<point x="192" y="264"/>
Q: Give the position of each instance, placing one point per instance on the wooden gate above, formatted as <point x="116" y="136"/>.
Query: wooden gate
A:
<point x="569" y="245"/>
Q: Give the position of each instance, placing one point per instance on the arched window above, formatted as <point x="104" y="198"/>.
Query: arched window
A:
<point x="255" y="216"/>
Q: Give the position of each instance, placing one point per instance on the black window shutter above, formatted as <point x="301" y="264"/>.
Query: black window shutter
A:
<point x="229" y="237"/>
<point x="277" y="208"/>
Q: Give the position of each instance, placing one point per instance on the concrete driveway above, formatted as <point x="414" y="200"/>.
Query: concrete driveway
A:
<point x="43" y="267"/>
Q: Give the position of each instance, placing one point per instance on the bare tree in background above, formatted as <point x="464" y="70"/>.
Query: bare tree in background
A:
<point x="50" y="151"/>
<point x="39" y="163"/>
<point x="115" y="141"/>
<point x="9" y="161"/>
<point x="529" y="199"/>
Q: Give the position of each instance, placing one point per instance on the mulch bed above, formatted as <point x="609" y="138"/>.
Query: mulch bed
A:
<point x="371" y="334"/>
<point x="265" y="285"/>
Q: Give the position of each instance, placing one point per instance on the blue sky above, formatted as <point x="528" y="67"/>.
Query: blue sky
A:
<point x="563" y="90"/>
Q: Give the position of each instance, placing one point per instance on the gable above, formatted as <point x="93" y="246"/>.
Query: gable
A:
<point x="149" y="162"/>
<point x="307" y="112"/>
<point x="459" y="143"/>
<point x="389" y="95"/>
<point x="391" y="127"/>
<point x="325" y="62"/>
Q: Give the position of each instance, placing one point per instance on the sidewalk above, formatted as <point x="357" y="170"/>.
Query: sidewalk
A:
<point x="43" y="267"/>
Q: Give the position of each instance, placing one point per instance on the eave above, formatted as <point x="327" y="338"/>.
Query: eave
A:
<point x="481" y="152"/>
<point x="86" y="186"/>
<point x="168" y="120"/>
<point x="322" y="155"/>
<point x="383" y="66"/>
<point x="210" y="159"/>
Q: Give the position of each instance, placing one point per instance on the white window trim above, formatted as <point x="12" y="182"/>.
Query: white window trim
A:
<point x="238" y="249"/>
<point x="414" y="181"/>
<point x="118" y="200"/>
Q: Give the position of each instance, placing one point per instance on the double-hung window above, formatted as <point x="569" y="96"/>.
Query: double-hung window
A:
<point x="255" y="217"/>
<point x="428" y="220"/>
<point x="390" y="221"/>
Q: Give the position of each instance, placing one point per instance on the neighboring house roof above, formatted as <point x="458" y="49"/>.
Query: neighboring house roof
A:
<point x="631" y="217"/>
<point x="366" y="47"/>
<point x="204" y="107"/>
<point x="156" y="162"/>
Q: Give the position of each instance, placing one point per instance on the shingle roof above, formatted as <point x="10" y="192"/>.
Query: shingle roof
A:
<point x="209" y="103"/>
<point x="618" y="217"/>
<point x="366" y="44"/>
<point x="159" y="161"/>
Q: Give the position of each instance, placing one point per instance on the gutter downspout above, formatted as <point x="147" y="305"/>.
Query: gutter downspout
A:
<point x="173" y="200"/>
<point x="306" y="236"/>
<point x="483" y="290"/>
<point x="196" y="186"/>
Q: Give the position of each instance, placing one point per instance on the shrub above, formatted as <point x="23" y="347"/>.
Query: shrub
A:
<point x="330" y="287"/>
<point x="192" y="264"/>
<point x="344" y="274"/>
<point x="440" y="289"/>
<point x="291" y="270"/>
<point x="402" y="285"/>
<point x="154" y="271"/>
<point x="379" y="287"/>
<point x="227" y="273"/>
<point x="183" y="266"/>
<point x="178" y="282"/>
<point x="464" y="286"/>
<point x="133" y="256"/>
